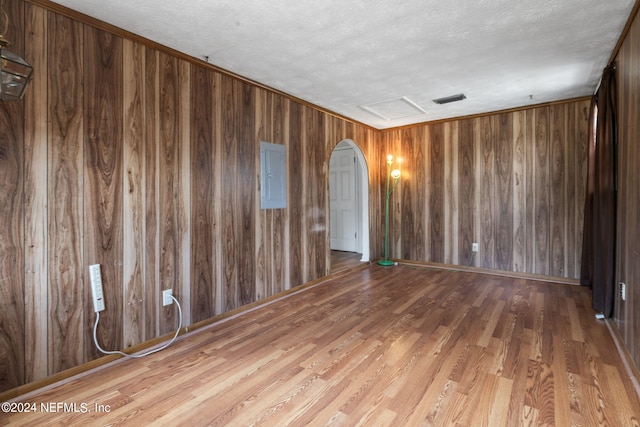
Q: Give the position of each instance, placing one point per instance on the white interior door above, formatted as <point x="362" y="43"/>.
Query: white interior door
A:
<point x="342" y="200"/>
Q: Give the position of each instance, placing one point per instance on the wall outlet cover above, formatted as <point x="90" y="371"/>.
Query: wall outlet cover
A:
<point x="166" y="297"/>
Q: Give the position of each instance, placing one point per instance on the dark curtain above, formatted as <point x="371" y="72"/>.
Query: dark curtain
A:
<point x="599" y="235"/>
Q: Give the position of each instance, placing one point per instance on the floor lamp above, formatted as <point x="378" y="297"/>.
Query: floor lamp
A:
<point x="395" y="175"/>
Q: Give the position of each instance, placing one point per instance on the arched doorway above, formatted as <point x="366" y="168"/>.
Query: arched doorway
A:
<point x="349" y="200"/>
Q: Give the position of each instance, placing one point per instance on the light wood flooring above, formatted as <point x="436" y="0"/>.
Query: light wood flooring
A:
<point x="341" y="261"/>
<point x="396" y="346"/>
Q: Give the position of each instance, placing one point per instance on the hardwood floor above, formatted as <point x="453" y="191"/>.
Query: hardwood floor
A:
<point x="397" y="346"/>
<point x="344" y="260"/>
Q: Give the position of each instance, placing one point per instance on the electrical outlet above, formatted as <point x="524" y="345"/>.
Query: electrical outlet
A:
<point x="623" y="291"/>
<point x="474" y="247"/>
<point x="166" y="297"/>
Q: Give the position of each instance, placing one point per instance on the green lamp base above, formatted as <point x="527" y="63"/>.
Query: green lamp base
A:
<point x="386" y="262"/>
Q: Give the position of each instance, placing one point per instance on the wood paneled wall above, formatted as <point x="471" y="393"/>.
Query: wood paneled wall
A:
<point x="148" y="164"/>
<point x="513" y="182"/>
<point x="627" y="313"/>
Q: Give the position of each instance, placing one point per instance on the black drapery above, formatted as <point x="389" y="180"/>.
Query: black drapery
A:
<point x="599" y="235"/>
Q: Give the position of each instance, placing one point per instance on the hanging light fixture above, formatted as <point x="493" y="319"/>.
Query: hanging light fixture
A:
<point x="15" y="72"/>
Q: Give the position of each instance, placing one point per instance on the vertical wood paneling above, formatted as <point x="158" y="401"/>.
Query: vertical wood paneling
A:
<point x="246" y="184"/>
<point x="627" y="313"/>
<point x="271" y="230"/>
<point x="580" y="145"/>
<point x="102" y="180"/>
<point x="295" y="189"/>
<point x="376" y="188"/>
<point x="504" y="192"/>
<point x="436" y="192"/>
<point x="133" y="190"/>
<point x="570" y="197"/>
<point x="490" y="181"/>
<point x="426" y="142"/>
<point x="264" y="272"/>
<point x="396" y="200"/>
<point x="520" y="192"/>
<point x="558" y="172"/>
<point x="183" y="285"/>
<point x="278" y="221"/>
<point x="228" y="219"/>
<point x="451" y="202"/>
<point x="487" y="230"/>
<point x="202" y="216"/>
<point x="66" y="298"/>
<point x="467" y="190"/>
<point x="317" y="256"/>
<point x="35" y="190"/>
<point x="409" y="191"/>
<point x="530" y="131"/>
<point x="218" y="186"/>
<point x="12" y="210"/>
<point x="419" y="197"/>
<point x="541" y="184"/>
<point x="152" y="194"/>
<point x="170" y="197"/>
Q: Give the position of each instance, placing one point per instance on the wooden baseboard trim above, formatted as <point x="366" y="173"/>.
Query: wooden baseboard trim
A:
<point x="629" y="365"/>
<point x="502" y="273"/>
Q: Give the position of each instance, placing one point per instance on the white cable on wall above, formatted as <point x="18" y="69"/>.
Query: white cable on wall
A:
<point x="155" y="350"/>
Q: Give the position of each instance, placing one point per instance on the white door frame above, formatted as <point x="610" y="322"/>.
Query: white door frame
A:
<point x="362" y="183"/>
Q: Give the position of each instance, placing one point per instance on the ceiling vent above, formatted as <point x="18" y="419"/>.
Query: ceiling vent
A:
<point x="448" y="99"/>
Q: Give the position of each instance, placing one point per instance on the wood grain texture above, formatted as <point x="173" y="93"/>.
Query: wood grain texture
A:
<point x="151" y="194"/>
<point x="202" y="216"/>
<point x="488" y="224"/>
<point x="436" y="146"/>
<point x="133" y="191"/>
<point x="420" y="198"/>
<point x="271" y="229"/>
<point x="541" y="184"/>
<point x="467" y="191"/>
<point x="12" y="316"/>
<point x="102" y="184"/>
<point x="627" y="313"/>
<point x="35" y="190"/>
<point x="558" y="174"/>
<point x="66" y="299"/>
<point x="316" y="208"/>
<point x="295" y="188"/>
<point x="263" y="230"/>
<point x="246" y="197"/>
<point x="518" y="193"/>
<point x="504" y="192"/>
<point x="449" y="347"/>
<point x="451" y="201"/>
<point x="229" y="227"/>
<point x="410" y="213"/>
<point x="169" y="178"/>
<point x="278" y="223"/>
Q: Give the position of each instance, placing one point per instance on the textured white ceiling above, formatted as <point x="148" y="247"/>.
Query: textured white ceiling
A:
<point x="353" y="56"/>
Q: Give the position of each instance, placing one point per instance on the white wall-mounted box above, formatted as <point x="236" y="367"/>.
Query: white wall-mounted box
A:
<point x="273" y="176"/>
